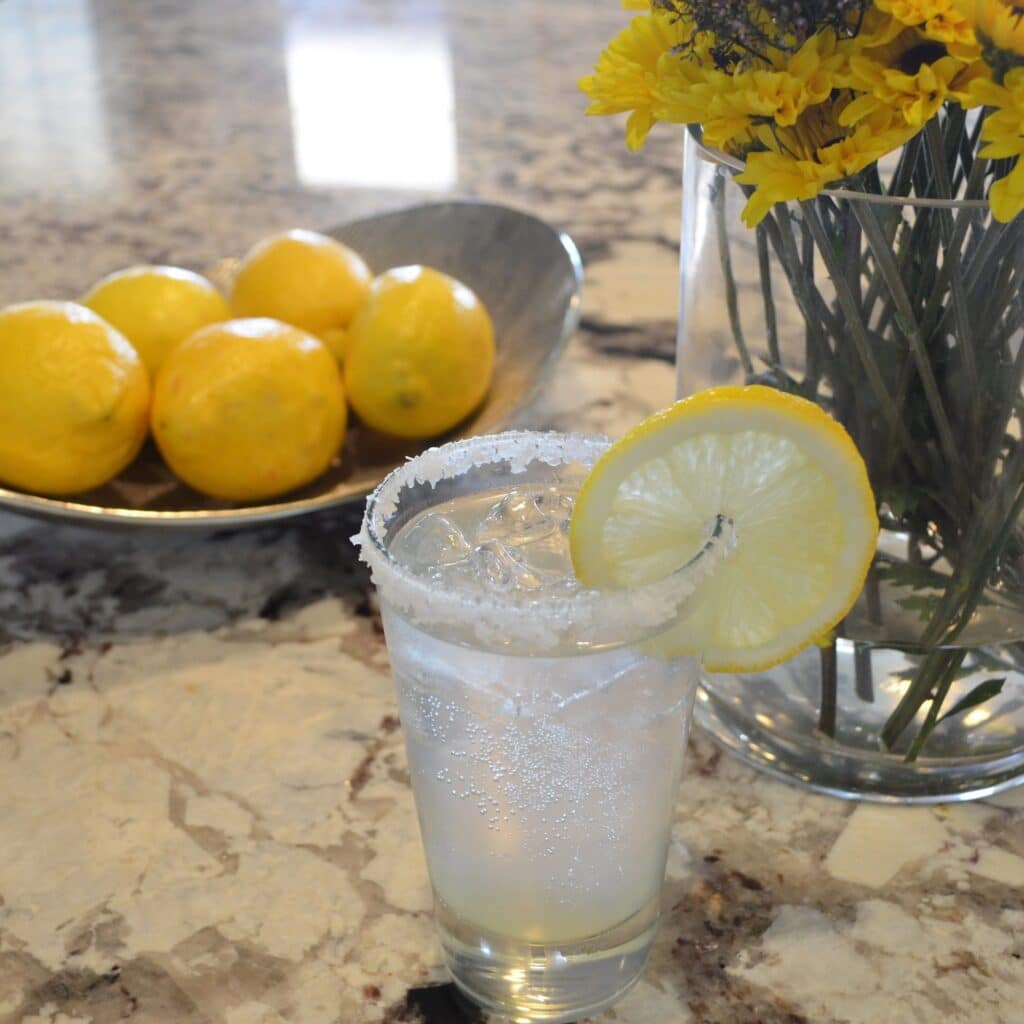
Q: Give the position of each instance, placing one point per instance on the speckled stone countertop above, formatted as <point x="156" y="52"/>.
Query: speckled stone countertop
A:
<point x="205" y="815"/>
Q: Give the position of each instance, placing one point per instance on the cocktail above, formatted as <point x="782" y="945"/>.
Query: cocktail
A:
<point x="545" y="721"/>
<point x="545" y="743"/>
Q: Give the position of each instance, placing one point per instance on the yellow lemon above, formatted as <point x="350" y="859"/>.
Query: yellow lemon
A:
<point x="420" y="353"/>
<point x="795" y="487"/>
<point x="156" y="308"/>
<point x="304" y="279"/>
<point x="74" y="398"/>
<point x="249" y="409"/>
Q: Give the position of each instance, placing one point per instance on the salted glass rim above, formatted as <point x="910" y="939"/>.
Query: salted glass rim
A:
<point x="520" y="618"/>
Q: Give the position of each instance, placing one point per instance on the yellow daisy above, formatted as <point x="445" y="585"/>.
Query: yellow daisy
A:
<point x="1003" y="134"/>
<point x="938" y="19"/>
<point x="691" y="91"/>
<point x="730" y="106"/>
<point x="625" y="76"/>
<point x="997" y="23"/>
<point x="780" y="177"/>
<point x="806" y="79"/>
<point x="915" y="96"/>
<point x="1007" y="195"/>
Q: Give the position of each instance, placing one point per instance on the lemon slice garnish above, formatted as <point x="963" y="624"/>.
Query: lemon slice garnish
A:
<point x="796" y="489"/>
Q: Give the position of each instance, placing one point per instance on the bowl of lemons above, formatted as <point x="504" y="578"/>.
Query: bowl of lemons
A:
<point x="289" y="379"/>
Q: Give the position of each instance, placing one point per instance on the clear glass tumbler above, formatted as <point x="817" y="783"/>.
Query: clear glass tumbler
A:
<point x="545" y="742"/>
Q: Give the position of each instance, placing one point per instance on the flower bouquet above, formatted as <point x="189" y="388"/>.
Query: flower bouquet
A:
<point x="853" y="167"/>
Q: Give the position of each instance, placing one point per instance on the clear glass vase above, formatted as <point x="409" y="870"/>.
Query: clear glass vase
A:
<point x="903" y="318"/>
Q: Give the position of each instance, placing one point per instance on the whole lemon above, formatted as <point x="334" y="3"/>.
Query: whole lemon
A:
<point x="74" y="398"/>
<point x="249" y="409"/>
<point x="305" y="279"/>
<point x="420" y="353"/>
<point x="156" y="308"/>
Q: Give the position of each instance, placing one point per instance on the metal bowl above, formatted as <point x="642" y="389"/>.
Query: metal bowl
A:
<point x="528" y="274"/>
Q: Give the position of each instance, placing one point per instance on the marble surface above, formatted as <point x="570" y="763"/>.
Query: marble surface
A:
<point x="205" y="815"/>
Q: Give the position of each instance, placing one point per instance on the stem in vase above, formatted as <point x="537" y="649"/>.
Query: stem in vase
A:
<point x="985" y="539"/>
<point x="829" y="689"/>
<point x="731" y="291"/>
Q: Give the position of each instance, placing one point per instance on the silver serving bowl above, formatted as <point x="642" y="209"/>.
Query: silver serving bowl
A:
<point x="528" y="274"/>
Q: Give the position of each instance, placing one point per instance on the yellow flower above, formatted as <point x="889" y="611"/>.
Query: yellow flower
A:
<point x="877" y="29"/>
<point x="780" y="177"/>
<point x="1007" y="195"/>
<point x="730" y="106"/>
<point x="637" y="5"/>
<point x="1003" y="128"/>
<point x="940" y="20"/>
<point x="875" y="136"/>
<point x="915" y="96"/>
<point x="783" y="95"/>
<point x="1003" y="135"/>
<point x="999" y="22"/>
<point x="626" y="73"/>
<point x="914" y="12"/>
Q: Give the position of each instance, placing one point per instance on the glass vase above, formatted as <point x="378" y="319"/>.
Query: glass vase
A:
<point x="903" y="319"/>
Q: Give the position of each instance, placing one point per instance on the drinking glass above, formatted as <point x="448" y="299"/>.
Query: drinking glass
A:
<point x="545" y="739"/>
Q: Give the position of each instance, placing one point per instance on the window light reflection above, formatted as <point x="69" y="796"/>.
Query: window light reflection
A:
<point x="56" y="133"/>
<point x="373" y="107"/>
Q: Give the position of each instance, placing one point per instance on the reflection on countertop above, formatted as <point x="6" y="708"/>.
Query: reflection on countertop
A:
<point x="204" y="810"/>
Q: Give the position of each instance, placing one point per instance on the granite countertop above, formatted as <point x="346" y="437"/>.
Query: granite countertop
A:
<point x="205" y="815"/>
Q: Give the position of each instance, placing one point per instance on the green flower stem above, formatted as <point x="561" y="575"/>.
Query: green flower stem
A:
<point x="900" y="186"/>
<point x="819" y="355"/>
<point x="731" y="292"/>
<point x="829" y="690"/>
<point x="853" y="248"/>
<point x="936" y="301"/>
<point x="998" y="242"/>
<point x="995" y="520"/>
<point x="808" y="299"/>
<point x="1000" y="292"/>
<point x="908" y="326"/>
<point x="948" y="663"/>
<point x="863" y="679"/>
<point x="1010" y="397"/>
<point x="965" y="332"/>
<point x="803" y="282"/>
<point x="855" y="327"/>
<point x="891" y="450"/>
<point x="771" y="326"/>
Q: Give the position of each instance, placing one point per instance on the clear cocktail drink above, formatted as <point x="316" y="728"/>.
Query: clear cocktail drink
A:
<point x="545" y="739"/>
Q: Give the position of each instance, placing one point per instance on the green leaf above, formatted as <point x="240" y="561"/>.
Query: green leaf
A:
<point x="982" y="692"/>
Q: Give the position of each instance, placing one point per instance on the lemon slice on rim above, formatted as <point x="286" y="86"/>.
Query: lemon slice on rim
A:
<point x="796" y="489"/>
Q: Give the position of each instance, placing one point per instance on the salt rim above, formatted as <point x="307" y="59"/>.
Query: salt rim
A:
<point x="499" y="619"/>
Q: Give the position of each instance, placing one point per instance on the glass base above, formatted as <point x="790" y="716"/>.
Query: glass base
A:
<point x="557" y="983"/>
<point x="770" y="721"/>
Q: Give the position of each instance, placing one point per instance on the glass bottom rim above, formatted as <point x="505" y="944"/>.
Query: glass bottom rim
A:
<point x="524" y="982"/>
<point x="502" y="1015"/>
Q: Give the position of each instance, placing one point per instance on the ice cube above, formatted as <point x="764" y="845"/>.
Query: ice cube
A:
<point x="520" y="519"/>
<point x="505" y="569"/>
<point x="433" y="541"/>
